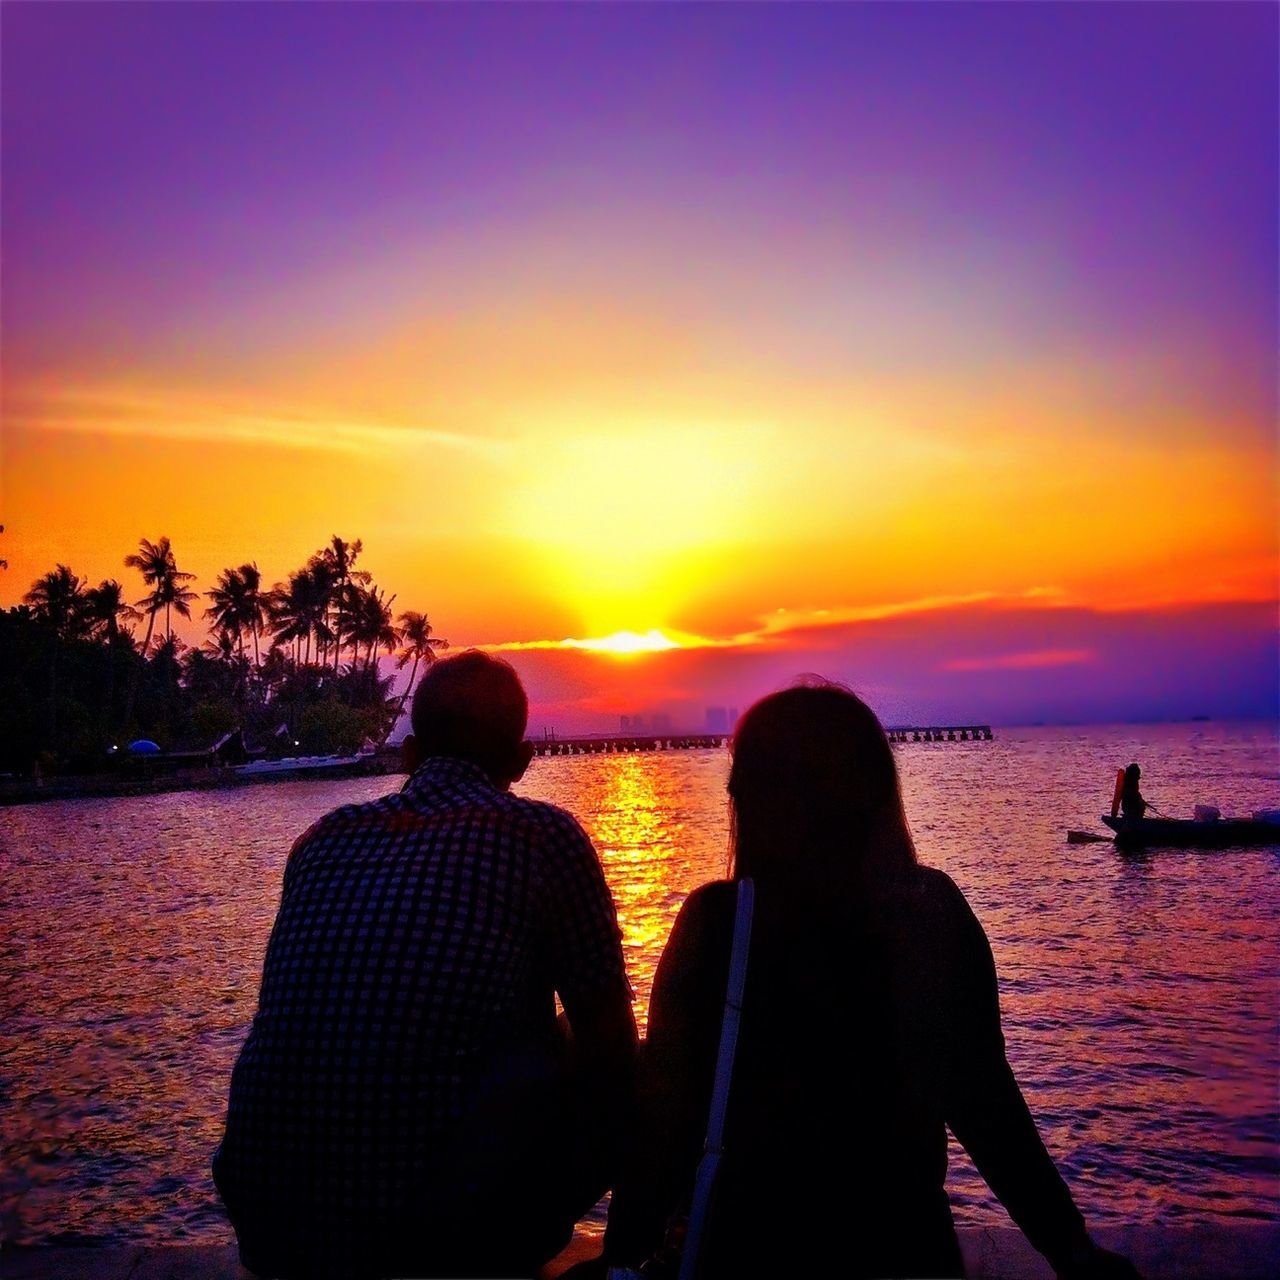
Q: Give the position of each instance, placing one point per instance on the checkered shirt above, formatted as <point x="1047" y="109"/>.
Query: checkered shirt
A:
<point x="417" y="936"/>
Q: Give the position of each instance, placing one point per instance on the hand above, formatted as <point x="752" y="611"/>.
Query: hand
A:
<point x="1096" y="1263"/>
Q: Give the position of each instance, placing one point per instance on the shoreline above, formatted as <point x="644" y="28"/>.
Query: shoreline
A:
<point x="103" y="786"/>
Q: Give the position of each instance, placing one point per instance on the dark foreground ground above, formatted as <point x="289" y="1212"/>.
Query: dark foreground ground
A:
<point x="1246" y="1252"/>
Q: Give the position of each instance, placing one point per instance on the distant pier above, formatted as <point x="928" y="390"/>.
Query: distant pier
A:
<point x="940" y="733"/>
<point x="627" y="744"/>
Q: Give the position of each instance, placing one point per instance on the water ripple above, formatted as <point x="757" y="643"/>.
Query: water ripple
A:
<point x="1139" y="995"/>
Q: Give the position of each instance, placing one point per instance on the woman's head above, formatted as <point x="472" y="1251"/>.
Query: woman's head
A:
<point x="814" y="792"/>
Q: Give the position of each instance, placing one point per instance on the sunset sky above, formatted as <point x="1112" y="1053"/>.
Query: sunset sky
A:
<point x="928" y="347"/>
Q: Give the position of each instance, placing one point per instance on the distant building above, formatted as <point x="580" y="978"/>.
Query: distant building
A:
<point x="733" y="718"/>
<point x="658" y="724"/>
<point x="717" y="720"/>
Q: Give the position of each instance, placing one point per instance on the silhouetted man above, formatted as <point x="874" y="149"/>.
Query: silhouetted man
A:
<point x="407" y="1102"/>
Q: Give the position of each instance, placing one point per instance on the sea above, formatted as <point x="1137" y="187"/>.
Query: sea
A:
<point x="1139" y="993"/>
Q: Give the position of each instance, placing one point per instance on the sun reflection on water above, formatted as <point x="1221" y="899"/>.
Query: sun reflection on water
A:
<point x="648" y="823"/>
<point x="638" y="848"/>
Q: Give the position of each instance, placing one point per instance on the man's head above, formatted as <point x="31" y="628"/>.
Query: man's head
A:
<point x="472" y="707"/>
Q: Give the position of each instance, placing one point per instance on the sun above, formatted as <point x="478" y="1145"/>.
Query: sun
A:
<point x="624" y="643"/>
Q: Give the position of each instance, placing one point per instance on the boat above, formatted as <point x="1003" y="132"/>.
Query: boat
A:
<point x="331" y="764"/>
<point x="1192" y="833"/>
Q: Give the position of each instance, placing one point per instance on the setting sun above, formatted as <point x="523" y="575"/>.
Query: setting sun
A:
<point x="620" y="643"/>
<point x="627" y="642"/>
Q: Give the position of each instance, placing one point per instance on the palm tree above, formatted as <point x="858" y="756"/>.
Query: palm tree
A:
<point x="165" y="677"/>
<point x="105" y="608"/>
<point x="299" y="610"/>
<point x="351" y="622"/>
<point x="155" y="561"/>
<point x="387" y="635"/>
<point x="339" y="558"/>
<point x="419" y="645"/>
<point x="372" y="623"/>
<point x="320" y="592"/>
<point x="175" y="596"/>
<point x="58" y="599"/>
<point x="212" y="674"/>
<point x="255" y="606"/>
<point x="285" y="616"/>
<point x="238" y="605"/>
<point x="220" y="647"/>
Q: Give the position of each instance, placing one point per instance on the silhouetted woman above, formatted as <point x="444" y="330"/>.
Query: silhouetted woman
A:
<point x="1132" y="805"/>
<point x="871" y="1025"/>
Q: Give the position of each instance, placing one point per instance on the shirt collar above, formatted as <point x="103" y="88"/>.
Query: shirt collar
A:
<point x="447" y="771"/>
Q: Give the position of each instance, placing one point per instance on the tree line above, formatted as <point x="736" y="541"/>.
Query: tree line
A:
<point x="85" y="670"/>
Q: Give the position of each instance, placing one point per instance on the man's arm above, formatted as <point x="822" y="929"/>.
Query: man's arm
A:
<point x="605" y="1045"/>
<point x="588" y="969"/>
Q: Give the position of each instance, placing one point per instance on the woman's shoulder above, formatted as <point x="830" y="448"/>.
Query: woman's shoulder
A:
<point x="928" y="896"/>
<point x="710" y="898"/>
<point x="705" y="922"/>
<point x="935" y="900"/>
<point x="707" y="911"/>
<point x="937" y="887"/>
<point x="944" y="913"/>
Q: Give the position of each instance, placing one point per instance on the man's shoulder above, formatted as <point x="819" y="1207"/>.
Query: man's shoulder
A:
<point x="351" y="821"/>
<point x="543" y="818"/>
<point x="543" y="828"/>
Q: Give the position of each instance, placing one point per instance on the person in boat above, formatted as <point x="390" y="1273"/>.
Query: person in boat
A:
<point x="870" y="1025"/>
<point x="1132" y="805"/>
<point x="407" y="1102"/>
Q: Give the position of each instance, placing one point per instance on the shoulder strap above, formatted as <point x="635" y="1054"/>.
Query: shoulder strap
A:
<point x="709" y="1165"/>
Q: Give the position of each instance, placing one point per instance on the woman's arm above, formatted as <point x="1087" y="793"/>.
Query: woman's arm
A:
<point x="989" y="1116"/>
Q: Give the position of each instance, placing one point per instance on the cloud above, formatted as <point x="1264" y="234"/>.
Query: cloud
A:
<point x="785" y="621"/>
<point x="789" y="628"/>
<point x="1027" y="661"/>
<point x="621" y="643"/>
<point x="168" y="415"/>
<point x="999" y="665"/>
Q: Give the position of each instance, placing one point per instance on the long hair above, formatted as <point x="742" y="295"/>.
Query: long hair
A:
<point x="816" y="806"/>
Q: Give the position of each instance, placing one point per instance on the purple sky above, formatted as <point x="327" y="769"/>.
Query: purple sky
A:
<point x="888" y="303"/>
<point x="142" y="142"/>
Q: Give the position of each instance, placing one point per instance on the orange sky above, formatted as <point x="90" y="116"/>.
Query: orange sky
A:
<point x="569" y="380"/>
<point x="571" y="507"/>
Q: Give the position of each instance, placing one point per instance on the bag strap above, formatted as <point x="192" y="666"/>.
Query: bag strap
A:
<point x="713" y="1148"/>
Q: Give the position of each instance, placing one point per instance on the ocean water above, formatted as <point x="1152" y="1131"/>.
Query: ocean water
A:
<point x="1139" y="994"/>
